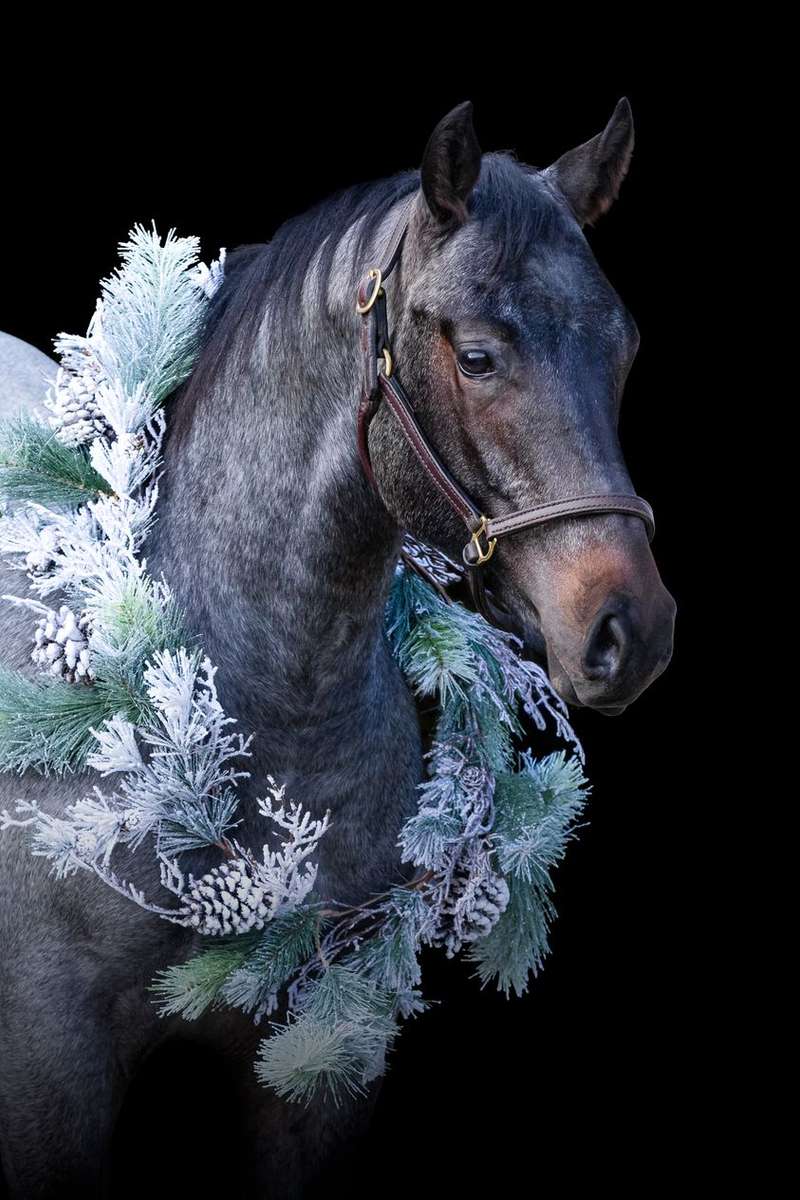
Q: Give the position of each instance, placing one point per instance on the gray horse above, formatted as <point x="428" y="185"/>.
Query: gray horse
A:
<point x="516" y="349"/>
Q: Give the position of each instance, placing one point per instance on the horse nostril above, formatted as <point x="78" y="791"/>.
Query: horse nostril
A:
<point x="606" y="646"/>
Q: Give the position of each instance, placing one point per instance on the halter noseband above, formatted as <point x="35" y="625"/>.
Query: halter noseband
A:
<point x="381" y="383"/>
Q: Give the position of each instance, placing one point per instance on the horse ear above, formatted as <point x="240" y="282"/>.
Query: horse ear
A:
<point x="451" y="165"/>
<point x="589" y="176"/>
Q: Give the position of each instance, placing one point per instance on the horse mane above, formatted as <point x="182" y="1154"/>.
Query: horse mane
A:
<point x="513" y="212"/>
<point x="253" y="271"/>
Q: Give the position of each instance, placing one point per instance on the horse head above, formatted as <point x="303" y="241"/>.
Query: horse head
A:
<point x="516" y="349"/>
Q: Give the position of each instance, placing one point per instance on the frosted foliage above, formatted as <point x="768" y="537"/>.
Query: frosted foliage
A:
<point x="61" y="645"/>
<point x="471" y="900"/>
<point x="77" y="418"/>
<point x="186" y="779"/>
<point x="244" y="893"/>
<point x="106" y="402"/>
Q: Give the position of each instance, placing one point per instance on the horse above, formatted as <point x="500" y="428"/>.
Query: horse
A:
<point x="516" y="349"/>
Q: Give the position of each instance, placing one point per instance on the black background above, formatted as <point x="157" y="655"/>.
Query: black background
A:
<point x="608" y="1070"/>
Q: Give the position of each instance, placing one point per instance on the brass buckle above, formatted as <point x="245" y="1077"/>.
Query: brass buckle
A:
<point x="375" y="274"/>
<point x="491" y="542"/>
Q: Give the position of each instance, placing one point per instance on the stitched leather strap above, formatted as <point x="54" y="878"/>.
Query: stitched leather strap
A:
<point x="456" y="497"/>
<point x="572" y="506"/>
<point x="375" y="333"/>
<point x="377" y="384"/>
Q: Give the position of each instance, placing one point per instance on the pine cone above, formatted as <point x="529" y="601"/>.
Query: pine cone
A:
<point x="229" y="899"/>
<point x="62" y="646"/>
<point x="77" y="418"/>
<point x="42" y="560"/>
<point x="475" y="901"/>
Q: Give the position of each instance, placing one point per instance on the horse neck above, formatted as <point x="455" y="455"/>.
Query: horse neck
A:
<point x="273" y="541"/>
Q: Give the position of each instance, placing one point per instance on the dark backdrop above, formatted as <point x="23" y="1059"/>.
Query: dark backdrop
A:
<point x="606" y="1069"/>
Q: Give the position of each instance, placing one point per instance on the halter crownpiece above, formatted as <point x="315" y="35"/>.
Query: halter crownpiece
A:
<point x="381" y="383"/>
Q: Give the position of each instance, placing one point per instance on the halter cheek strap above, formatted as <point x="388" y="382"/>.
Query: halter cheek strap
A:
<point x="380" y="384"/>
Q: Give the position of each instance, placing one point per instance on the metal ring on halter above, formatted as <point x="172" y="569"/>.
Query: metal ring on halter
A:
<point x="375" y="274"/>
<point x="483" y="556"/>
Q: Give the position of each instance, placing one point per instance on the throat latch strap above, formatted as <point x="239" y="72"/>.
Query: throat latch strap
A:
<point x="380" y="383"/>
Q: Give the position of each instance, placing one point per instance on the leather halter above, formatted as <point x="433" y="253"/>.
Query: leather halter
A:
<point x="381" y="383"/>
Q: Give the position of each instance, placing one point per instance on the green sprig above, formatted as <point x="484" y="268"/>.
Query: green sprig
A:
<point x="34" y="466"/>
<point x="188" y="989"/>
<point x="45" y="724"/>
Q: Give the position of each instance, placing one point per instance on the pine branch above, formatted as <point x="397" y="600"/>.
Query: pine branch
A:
<point x="518" y="944"/>
<point x="130" y="629"/>
<point x="35" y="466"/>
<point x="343" y="994"/>
<point x="337" y="1043"/>
<point x="143" y="613"/>
<point x="188" y="989"/>
<point x="537" y="809"/>
<point x="46" y="725"/>
<point x="283" y="947"/>
<point x="391" y="960"/>
<point x="152" y="312"/>
<point x="195" y="826"/>
<point x="307" y="1055"/>
<point x="426" y="837"/>
<point x="438" y="659"/>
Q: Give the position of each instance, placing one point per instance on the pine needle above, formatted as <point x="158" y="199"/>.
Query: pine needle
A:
<point x="187" y="989"/>
<point x="283" y="947"/>
<point x="35" y="466"/>
<point x="152" y="311"/>
<point x="46" y="725"/>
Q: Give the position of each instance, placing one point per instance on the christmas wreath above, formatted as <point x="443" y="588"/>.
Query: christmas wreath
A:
<point x="119" y="691"/>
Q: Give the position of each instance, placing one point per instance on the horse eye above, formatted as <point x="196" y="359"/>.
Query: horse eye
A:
<point x="475" y="362"/>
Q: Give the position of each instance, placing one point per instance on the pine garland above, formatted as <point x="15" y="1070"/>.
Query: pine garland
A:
<point x="127" y="694"/>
